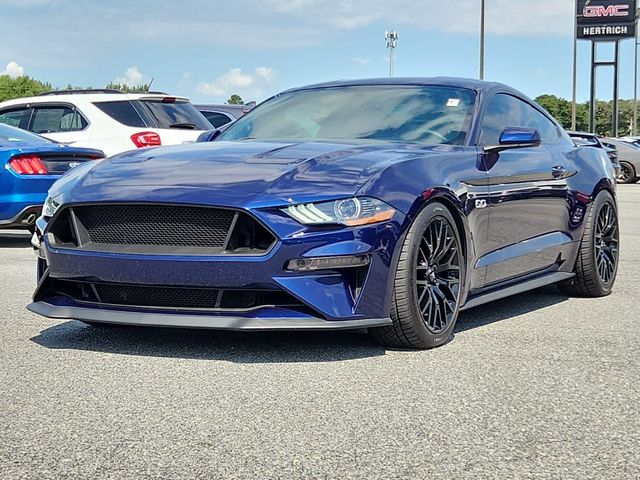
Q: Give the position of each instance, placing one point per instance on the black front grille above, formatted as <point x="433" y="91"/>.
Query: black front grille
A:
<point x="160" y="229"/>
<point x="163" y="225"/>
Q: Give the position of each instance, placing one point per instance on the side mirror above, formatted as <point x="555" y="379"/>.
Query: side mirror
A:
<point x="209" y="135"/>
<point x="248" y="107"/>
<point x="515" y="137"/>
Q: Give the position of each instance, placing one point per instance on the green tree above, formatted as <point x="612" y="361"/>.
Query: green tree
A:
<point x="235" y="100"/>
<point x="142" y="88"/>
<point x="21" y="87"/>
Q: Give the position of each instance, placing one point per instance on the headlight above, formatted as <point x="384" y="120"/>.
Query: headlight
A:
<point x="50" y="207"/>
<point x="349" y="211"/>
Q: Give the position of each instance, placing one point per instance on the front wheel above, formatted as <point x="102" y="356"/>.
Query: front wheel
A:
<point x="597" y="264"/>
<point x="428" y="283"/>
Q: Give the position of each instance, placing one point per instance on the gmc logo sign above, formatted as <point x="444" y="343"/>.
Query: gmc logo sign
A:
<point x="610" y="11"/>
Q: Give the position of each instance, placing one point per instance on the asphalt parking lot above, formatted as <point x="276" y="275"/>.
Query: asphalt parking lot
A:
<point x="536" y="386"/>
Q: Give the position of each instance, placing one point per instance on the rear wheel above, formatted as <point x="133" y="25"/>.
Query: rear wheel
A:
<point x="427" y="287"/>
<point x="597" y="264"/>
<point x="627" y="173"/>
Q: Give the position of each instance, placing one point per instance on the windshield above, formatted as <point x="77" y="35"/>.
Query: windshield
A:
<point x="10" y="134"/>
<point x="415" y="114"/>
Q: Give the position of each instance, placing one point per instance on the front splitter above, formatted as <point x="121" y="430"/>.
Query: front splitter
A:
<point x="212" y="322"/>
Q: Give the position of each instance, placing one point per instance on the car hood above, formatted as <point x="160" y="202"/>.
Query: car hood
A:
<point x="237" y="170"/>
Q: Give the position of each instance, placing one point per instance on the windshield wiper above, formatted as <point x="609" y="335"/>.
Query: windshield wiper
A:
<point x="187" y="125"/>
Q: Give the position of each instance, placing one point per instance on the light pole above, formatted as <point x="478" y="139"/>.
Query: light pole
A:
<point x="481" y="39"/>
<point x="634" y="128"/>
<point x="392" y="43"/>
<point x="575" y="69"/>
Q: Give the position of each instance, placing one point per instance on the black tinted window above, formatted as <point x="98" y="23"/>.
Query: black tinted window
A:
<point x="16" y="117"/>
<point x="506" y="111"/>
<point x="216" y="119"/>
<point x="55" y="119"/>
<point x="123" y="112"/>
<point x="174" y="114"/>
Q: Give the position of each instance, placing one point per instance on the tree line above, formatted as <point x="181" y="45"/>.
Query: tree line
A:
<point x="26" y="86"/>
<point x="559" y="107"/>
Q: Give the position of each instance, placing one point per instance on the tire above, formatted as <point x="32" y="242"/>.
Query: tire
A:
<point x="427" y="284"/>
<point x="628" y="174"/>
<point x="597" y="263"/>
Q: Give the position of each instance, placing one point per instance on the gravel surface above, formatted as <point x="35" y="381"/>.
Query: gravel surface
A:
<point x="535" y="386"/>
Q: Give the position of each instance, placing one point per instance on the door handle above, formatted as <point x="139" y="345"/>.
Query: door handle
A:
<point x="558" y="171"/>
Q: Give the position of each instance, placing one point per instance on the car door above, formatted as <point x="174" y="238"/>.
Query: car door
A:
<point x="60" y="122"/>
<point x="528" y="207"/>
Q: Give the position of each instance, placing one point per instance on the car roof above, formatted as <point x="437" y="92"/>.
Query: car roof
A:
<point x="90" y="97"/>
<point x="224" y="106"/>
<point x="466" y="83"/>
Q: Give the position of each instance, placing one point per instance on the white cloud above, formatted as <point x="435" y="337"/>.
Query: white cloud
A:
<point x="247" y="85"/>
<point x="13" y="69"/>
<point x="132" y="77"/>
<point x="362" y="61"/>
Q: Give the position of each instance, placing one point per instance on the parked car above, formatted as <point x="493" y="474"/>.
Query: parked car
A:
<point x="633" y="140"/>
<point x="629" y="158"/>
<point x="109" y="120"/>
<point x="584" y="139"/>
<point x="29" y="164"/>
<point x="387" y="204"/>
<point x="220" y="115"/>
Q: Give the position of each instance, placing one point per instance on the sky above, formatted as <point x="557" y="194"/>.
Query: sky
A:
<point x="210" y="49"/>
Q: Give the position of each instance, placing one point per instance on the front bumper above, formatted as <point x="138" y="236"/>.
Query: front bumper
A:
<point x="325" y="299"/>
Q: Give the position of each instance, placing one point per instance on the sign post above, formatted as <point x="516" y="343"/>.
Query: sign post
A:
<point x="605" y="21"/>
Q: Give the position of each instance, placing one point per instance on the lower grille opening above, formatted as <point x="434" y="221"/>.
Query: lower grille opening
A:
<point x="174" y="298"/>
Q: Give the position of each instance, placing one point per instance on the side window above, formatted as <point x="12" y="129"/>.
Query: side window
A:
<point x="123" y="112"/>
<point x="15" y="117"/>
<point x="502" y="112"/>
<point x="52" y="119"/>
<point x="216" y="119"/>
<point x="506" y="111"/>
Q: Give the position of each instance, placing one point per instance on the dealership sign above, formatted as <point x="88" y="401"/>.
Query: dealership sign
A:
<point x="603" y="20"/>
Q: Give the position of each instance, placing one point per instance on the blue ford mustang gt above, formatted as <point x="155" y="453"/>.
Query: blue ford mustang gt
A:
<point x="29" y="164"/>
<point x="389" y="204"/>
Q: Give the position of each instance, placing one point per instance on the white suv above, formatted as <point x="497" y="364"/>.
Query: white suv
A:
<point x="108" y="120"/>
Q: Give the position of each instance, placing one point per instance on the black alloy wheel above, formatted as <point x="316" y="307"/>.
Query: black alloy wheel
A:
<point x="438" y="275"/>
<point x="428" y="283"/>
<point x="606" y="240"/>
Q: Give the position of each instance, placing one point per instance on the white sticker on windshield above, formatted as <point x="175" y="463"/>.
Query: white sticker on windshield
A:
<point x="453" y="102"/>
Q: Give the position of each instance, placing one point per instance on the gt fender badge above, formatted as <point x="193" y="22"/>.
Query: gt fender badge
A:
<point x="481" y="204"/>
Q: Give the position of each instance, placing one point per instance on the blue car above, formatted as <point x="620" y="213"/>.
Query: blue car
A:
<point x="29" y="164"/>
<point x="388" y="205"/>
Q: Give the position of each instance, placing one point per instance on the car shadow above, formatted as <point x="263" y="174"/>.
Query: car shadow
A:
<point x="237" y="347"/>
<point x="15" y="239"/>
<point x="509" y="307"/>
<point x="265" y="347"/>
